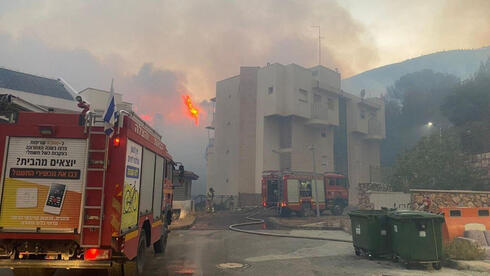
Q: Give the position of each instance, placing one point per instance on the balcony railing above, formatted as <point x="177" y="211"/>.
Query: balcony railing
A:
<point x="374" y="128"/>
<point x="319" y="111"/>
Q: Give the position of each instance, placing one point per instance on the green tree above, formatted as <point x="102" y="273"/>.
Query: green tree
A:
<point x="410" y="103"/>
<point x="436" y="162"/>
<point x="470" y="101"/>
<point x="468" y="108"/>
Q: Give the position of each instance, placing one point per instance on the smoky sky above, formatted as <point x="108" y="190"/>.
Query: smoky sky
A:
<point x="156" y="51"/>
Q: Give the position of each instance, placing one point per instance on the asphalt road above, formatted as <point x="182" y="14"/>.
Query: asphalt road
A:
<point x="210" y="249"/>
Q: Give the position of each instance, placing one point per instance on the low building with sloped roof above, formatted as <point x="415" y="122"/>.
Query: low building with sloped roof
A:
<point x="49" y="93"/>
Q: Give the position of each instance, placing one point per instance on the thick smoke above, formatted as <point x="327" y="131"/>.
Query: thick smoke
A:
<point x="208" y="40"/>
<point x="158" y="50"/>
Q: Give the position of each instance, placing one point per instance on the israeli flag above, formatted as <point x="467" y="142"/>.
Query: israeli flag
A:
<point x="110" y="112"/>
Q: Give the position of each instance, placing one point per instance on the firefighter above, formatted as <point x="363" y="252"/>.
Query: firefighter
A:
<point x="85" y="108"/>
<point x="209" y="200"/>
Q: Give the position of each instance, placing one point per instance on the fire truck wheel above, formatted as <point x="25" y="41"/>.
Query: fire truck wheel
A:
<point x="141" y="258"/>
<point x="337" y="210"/>
<point x="160" y="245"/>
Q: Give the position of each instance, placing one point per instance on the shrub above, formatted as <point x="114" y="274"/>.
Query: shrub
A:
<point x="463" y="249"/>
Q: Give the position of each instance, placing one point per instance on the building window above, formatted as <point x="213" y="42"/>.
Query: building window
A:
<point x="454" y="213"/>
<point x="303" y="96"/>
<point x="317" y="98"/>
<point x="270" y="90"/>
<point x="363" y="114"/>
<point x="228" y="123"/>
<point x="227" y="151"/>
<point x="331" y="104"/>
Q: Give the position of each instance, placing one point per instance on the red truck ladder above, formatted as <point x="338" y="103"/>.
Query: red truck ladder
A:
<point x="93" y="200"/>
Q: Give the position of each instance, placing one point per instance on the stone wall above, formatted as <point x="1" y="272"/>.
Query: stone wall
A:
<point x="248" y="199"/>
<point x="365" y="188"/>
<point x="449" y="198"/>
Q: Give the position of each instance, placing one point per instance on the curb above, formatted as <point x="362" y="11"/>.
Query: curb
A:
<point x="468" y="265"/>
<point x="183" y="227"/>
<point x="275" y="222"/>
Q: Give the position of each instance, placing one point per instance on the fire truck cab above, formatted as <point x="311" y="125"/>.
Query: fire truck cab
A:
<point x="73" y="197"/>
<point x="293" y="191"/>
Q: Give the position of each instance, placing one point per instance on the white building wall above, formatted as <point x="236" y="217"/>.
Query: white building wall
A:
<point x="226" y="138"/>
<point x="58" y="104"/>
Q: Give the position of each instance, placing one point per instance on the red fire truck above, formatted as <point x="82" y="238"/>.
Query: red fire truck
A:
<point x="293" y="191"/>
<point x="71" y="197"/>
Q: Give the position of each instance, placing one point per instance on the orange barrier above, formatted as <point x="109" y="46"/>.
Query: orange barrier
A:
<point x="457" y="219"/>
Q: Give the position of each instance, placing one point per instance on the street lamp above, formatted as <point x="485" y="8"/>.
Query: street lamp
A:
<point x="431" y="124"/>
<point x="317" y="201"/>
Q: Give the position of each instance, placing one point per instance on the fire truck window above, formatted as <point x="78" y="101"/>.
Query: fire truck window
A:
<point x="305" y="188"/>
<point x="158" y="187"/>
<point x="341" y="182"/>
<point x="147" y="181"/>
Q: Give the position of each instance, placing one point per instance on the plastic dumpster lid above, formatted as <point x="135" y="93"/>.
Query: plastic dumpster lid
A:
<point x="367" y="213"/>
<point x="409" y="214"/>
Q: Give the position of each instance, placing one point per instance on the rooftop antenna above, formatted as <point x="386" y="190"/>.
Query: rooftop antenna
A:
<point x="319" y="44"/>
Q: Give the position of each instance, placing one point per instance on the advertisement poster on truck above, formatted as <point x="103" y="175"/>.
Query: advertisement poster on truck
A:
<point x="132" y="177"/>
<point x="43" y="182"/>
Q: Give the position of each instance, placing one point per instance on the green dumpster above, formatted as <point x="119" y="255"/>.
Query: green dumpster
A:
<point x="370" y="232"/>
<point x="416" y="237"/>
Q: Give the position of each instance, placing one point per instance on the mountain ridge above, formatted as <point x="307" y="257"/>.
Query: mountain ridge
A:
<point x="460" y="62"/>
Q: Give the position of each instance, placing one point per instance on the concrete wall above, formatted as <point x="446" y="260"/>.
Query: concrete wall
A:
<point x="226" y="175"/>
<point x="185" y="207"/>
<point x="247" y="120"/>
<point x="397" y="200"/>
<point x="97" y="99"/>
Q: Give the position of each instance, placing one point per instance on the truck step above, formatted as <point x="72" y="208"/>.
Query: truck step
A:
<point x="95" y="169"/>
<point x="92" y="207"/>
<point x="94" y="188"/>
<point x="91" y="226"/>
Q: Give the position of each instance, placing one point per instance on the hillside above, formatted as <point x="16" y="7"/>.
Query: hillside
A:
<point x="462" y="63"/>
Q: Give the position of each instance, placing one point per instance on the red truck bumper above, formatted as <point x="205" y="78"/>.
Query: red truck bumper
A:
<point x="71" y="264"/>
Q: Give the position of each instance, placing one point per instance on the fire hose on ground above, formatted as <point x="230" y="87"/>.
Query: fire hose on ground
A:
<point x="255" y="221"/>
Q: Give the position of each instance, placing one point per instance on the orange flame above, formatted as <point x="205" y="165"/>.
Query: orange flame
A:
<point x="192" y="111"/>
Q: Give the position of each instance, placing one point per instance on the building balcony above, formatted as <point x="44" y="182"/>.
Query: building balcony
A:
<point x="319" y="116"/>
<point x="375" y="130"/>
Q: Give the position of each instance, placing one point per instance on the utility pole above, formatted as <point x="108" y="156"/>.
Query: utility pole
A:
<point x="319" y="44"/>
<point x="317" y="199"/>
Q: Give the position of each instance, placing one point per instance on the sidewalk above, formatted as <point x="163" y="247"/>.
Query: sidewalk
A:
<point x="481" y="266"/>
<point x="313" y="223"/>
<point x="184" y="223"/>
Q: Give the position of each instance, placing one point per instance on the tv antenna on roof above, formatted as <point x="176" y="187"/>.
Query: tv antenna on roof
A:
<point x="319" y="44"/>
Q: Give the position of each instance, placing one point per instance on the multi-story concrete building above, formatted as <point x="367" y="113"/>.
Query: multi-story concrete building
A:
<point x="271" y="118"/>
